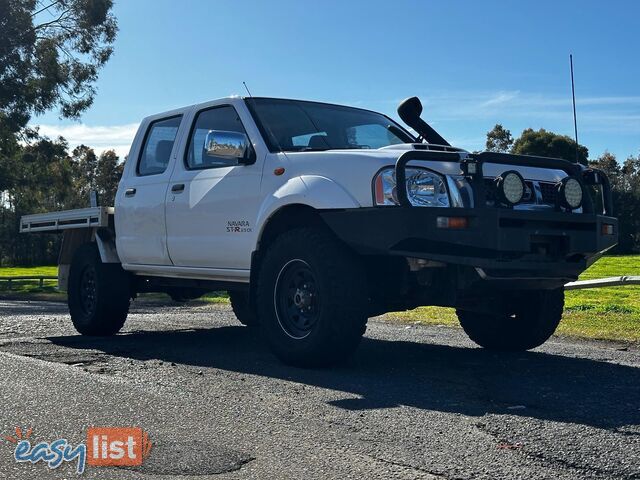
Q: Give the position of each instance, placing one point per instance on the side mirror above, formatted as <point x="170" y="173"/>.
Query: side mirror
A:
<point x="229" y="145"/>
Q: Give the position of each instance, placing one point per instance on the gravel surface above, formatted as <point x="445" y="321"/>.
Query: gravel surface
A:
<point x="415" y="401"/>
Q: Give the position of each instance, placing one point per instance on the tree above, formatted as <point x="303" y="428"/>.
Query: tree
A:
<point x="499" y="139"/>
<point x="8" y="148"/>
<point x="608" y="164"/>
<point x="50" y="55"/>
<point x="548" y="144"/>
<point x="108" y="174"/>
<point x="85" y="163"/>
<point x="101" y="174"/>
<point x="41" y="180"/>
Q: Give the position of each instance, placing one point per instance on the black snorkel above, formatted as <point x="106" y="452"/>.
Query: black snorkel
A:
<point x="409" y="111"/>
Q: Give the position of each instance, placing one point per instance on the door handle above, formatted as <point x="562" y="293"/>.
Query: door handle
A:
<point x="178" y="188"/>
<point x="129" y="192"/>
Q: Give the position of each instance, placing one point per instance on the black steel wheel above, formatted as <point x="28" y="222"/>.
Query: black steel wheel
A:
<point x="88" y="290"/>
<point x="98" y="293"/>
<point x="297" y="299"/>
<point x="311" y="298"/>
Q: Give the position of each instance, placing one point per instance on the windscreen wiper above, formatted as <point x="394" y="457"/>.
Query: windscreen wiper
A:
<point x="312" y="149"/>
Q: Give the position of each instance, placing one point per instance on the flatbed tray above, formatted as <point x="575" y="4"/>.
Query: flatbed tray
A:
<point x="67" y="219"/>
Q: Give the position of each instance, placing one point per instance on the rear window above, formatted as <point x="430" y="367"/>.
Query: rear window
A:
<point x="158" y="144"/>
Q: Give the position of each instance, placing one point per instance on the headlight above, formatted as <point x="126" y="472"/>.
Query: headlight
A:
<point x="424" y="188"/>
<point x="570" y="193"/>
<point x="510" y="187"/>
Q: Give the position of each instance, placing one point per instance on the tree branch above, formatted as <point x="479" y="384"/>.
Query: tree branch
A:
<point x="45" y="8"/>
<point x="52" y="22"/>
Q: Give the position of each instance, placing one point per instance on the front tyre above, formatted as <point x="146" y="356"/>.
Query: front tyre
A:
<point x="242" y="308"/>
<point x="311" y="298"/>
<point x="532" y="318"/>
<point x="98" y="293"/>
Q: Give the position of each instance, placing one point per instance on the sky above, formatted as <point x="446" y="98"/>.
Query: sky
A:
<point x="472" y="63"/>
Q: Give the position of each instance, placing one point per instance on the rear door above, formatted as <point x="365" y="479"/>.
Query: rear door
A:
<point x="140" y="205"/>
<point x="212" y="203"/>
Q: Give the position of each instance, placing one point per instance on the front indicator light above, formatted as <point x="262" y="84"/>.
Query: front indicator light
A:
<point x="379" y="191"/>
<point x="607" y="229"/>
<point x="452" y="223"/>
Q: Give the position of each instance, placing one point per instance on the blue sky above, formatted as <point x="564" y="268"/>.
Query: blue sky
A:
<point x="472" y="63"/>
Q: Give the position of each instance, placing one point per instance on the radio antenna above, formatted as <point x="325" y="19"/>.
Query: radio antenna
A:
<point x="268" y="128"/>
<point x="247" y="88"/>
<point x="573" y="95"/>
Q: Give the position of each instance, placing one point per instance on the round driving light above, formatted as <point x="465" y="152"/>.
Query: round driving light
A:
<point x="571" y="193"/>
<point x="510" y="187"/>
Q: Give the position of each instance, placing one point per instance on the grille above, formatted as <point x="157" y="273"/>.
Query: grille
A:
<point x="549" y="193"/>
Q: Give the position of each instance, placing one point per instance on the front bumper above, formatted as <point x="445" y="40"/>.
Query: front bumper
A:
<point x="499" y="243"/>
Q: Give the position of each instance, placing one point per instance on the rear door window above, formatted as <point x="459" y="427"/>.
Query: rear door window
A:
<point x="158" y="144"/>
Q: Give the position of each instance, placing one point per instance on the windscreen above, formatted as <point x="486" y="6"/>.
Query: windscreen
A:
<point x="293" y="125"/>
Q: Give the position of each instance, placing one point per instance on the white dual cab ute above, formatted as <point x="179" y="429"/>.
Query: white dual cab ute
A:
<point x="315" y="217"/>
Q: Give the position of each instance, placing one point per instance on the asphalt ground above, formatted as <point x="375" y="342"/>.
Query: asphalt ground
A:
<point x="414" y="402"/>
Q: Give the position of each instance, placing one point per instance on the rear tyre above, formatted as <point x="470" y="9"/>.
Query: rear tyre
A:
<point x="184" y="295"/>
<point x="178" y="297"/>
<point x="98" y="293"/>
<point x="242" y="308"/>
<point x="311" y="298"/>
<point x="533" y="318"/>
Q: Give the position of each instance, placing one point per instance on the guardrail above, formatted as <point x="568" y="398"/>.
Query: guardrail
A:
<point x="39" y="278"/>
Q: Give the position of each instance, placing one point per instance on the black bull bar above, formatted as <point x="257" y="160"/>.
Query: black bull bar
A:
<point x="471" y="168"/>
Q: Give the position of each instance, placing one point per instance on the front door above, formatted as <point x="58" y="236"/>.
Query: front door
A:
<point x="212" y="202"/>
<point x="140" y="206"/>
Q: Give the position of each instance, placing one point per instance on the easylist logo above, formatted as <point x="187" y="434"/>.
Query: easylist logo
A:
<point x="117" y="446"/>
<point x="112" y="447"/>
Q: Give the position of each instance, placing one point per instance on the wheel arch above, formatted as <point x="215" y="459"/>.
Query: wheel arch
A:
<point x="286" y="218"/>
<point x="297" y="203"/>
<point x="72" y="239"/>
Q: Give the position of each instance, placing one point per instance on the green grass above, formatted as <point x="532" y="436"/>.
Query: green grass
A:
<point x="25" y="271"/>
<point x="602" y="313"/>
<point x="29" y="287"/>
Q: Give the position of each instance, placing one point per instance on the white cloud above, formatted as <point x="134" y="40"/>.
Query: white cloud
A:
<point x="500" y="98"/>
<point x="100" y="138"/>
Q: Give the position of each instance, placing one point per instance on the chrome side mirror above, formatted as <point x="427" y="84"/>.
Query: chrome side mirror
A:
<point x="229" y="145"/>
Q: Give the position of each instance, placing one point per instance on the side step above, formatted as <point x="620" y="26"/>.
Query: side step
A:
<point x="603" y="282"/>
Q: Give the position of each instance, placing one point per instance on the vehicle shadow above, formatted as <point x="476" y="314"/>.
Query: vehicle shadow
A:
<point x="469" y="381"/>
